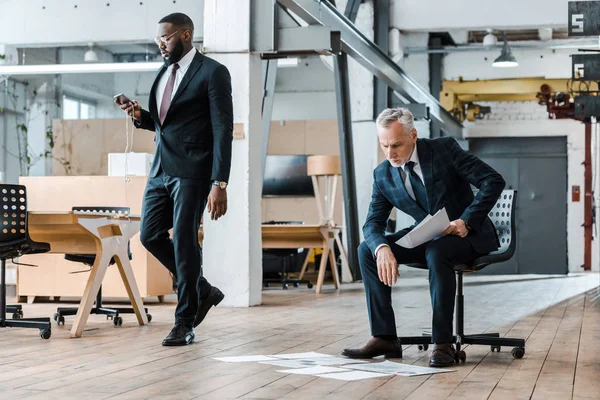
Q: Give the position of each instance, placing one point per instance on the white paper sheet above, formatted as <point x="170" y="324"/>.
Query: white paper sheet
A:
<point x="313" y="370"/>
<point x="430" y="228"/>
<point x="390" y="367"/>
<point x="352" y="375"/>
<point x="244" y="359"/>
<point x="300" y="356"/>
<point x="312" y="362"/>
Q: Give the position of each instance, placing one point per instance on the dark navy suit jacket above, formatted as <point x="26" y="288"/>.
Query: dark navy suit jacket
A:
<point x="448" y="172"/>
<point x="195" y="139"/>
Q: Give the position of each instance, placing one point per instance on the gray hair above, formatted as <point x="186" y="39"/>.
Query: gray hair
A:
<point x="401" y="115"/>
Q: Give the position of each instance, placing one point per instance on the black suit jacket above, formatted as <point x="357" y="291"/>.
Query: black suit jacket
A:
<point x="448" y="172"/>
<point x="195" y="139"/>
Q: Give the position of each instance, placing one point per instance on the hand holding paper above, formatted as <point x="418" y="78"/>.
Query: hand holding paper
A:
<point x="430" y="228"/>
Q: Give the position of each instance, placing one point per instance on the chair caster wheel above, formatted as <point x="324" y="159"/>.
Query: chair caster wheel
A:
<point x="461" y="356"/>
<point x="55" y="317"/>
<point x="495" y="348"/>
<point x="17" y="316"/>
<point x="309" y="285"/>
<point x="285" y="286"/>
<point x="149" y="316"/>
<point x="61" y="320"/>
<point x="118" y="321"/>
<point x="267" y="284"/>
<point x="45" y="333"/>
<point x="518" y="352"/>
<point x="423" y="347"/>
<point x="296" y="284"/>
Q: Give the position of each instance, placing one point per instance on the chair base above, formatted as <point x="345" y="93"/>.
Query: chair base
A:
<point x="487" y="339"/>
<point x="286" y="282"/>
<point x="43" y="324"/>
<point x="15" y="310"/>
<point x="111" y="313"/>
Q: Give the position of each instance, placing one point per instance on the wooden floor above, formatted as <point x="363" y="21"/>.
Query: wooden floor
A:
<point x="559" y="317"/>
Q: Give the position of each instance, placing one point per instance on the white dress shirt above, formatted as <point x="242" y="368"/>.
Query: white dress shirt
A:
<point x="414" y="157"/>
<point x="184" y="65"/>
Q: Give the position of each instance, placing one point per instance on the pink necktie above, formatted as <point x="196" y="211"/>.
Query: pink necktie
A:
<point x="166" y="100"/>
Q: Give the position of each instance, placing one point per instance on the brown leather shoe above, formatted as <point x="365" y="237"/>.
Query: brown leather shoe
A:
<point x="443" y="355"/>
<point x="376" y="347"/>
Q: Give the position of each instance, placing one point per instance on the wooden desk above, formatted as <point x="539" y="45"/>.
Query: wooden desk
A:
<point x="304" y="236"/>
<point x="86" y="233"/>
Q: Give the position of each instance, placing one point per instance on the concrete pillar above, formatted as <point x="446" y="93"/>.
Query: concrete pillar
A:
<point x="43" y="108"/>
<point x="232" y="246"/>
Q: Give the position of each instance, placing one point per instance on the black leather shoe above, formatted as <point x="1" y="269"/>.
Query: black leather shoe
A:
<point x="212" y="300"/>
<point x="376" y="347"/>
<point x="443" y="355"/>
<point x="179" y="336"/>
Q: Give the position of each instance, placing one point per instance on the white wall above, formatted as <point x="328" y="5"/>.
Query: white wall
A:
<point x="440" y="15"/>
<point x="80" y="21"/>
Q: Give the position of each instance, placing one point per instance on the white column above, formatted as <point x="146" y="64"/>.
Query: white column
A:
<point x="232" y="246"/>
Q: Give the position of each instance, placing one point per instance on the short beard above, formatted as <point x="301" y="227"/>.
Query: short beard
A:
<point x="176" y="54"/>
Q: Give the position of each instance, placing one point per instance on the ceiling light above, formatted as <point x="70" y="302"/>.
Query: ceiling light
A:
<point x="506" y="58"/>
<point x="545" y="33"/>
<point x="90" y="55"/>
<point x="490" y="39"/>
<point x="52" y="69"/>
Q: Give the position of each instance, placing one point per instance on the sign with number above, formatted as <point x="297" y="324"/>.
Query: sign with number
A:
<point x="584" y="18"/>
<point x="586" y="67"/>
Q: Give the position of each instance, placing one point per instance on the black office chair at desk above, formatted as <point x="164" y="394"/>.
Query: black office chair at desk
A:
<point x="88" y="259"/>
<point x="15" y="242"/>
<point x="503" y="216"/>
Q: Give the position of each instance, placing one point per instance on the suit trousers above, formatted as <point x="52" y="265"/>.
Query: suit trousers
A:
<point x="178" y="203"/>
<point x="440" y="255"/>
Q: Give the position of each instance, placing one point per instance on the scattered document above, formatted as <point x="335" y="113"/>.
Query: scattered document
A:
<point x="352" y="375"/>
<point x="430" y="228"/>
<point x="390" y="367"/>
<point x="244" y="359"/>
<point x="313" y="370"/>
<point x="300" y="356"/>
<point x="312" y="362"/>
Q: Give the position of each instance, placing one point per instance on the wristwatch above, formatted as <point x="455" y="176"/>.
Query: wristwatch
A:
<point x="468" y="227"/>
<point x="220" y="184"/>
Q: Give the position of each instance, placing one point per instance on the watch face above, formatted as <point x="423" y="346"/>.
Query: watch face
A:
<point x="222" y="185"/>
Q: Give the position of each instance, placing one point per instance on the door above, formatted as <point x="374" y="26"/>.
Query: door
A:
<point x="537" y="168"/>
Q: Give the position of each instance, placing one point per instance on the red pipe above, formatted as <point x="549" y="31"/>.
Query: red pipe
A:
<point x="587" y="213"/>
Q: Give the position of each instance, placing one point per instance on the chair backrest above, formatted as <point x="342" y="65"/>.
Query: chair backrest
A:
<point x="116" y="211"/>
<point x="13" y="219"/>
<point x="503" y="216"/>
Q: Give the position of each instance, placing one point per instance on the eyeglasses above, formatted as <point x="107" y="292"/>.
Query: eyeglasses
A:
<point x="164" y="39"/>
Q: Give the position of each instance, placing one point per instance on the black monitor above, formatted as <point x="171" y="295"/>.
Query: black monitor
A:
<point x="285" y="175"/>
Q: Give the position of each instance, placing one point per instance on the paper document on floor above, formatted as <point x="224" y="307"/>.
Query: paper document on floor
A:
<point x="353" y="375"/>
<point x="430" y="228"/>
<point x="390" y="367"/>
<point x="312" y="362"/>
<point x="313" y="370"/>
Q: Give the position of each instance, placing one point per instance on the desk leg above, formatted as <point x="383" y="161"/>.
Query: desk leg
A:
<point x="91" y="290"/>
<point x="131" y="286"/>
<point x="305" y="265"/>
<point x="334" y="271"/>
<point x="322" y="267"/>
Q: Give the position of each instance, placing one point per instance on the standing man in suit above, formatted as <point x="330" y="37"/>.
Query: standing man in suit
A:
<point x="191" y="113"/>
<point x="420" y="177"/>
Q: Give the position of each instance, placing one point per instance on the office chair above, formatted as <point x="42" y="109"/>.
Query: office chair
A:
<point x="88" y="259"/>
<point x="503" y="217"/>
<point x="285" y="256"/>
<point x="15" y="242"/>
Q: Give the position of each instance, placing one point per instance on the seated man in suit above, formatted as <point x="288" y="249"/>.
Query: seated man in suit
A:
<point x="420" y="177"/>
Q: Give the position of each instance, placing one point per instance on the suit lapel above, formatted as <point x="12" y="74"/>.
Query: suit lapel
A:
<point x="152" y="100"/>
<point x="425" y="159"/>
<point x="189" y="75"/>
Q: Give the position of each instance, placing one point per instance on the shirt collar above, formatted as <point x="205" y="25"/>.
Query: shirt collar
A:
<point x="186" y="60"/>
<point x="414" y="157"/>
